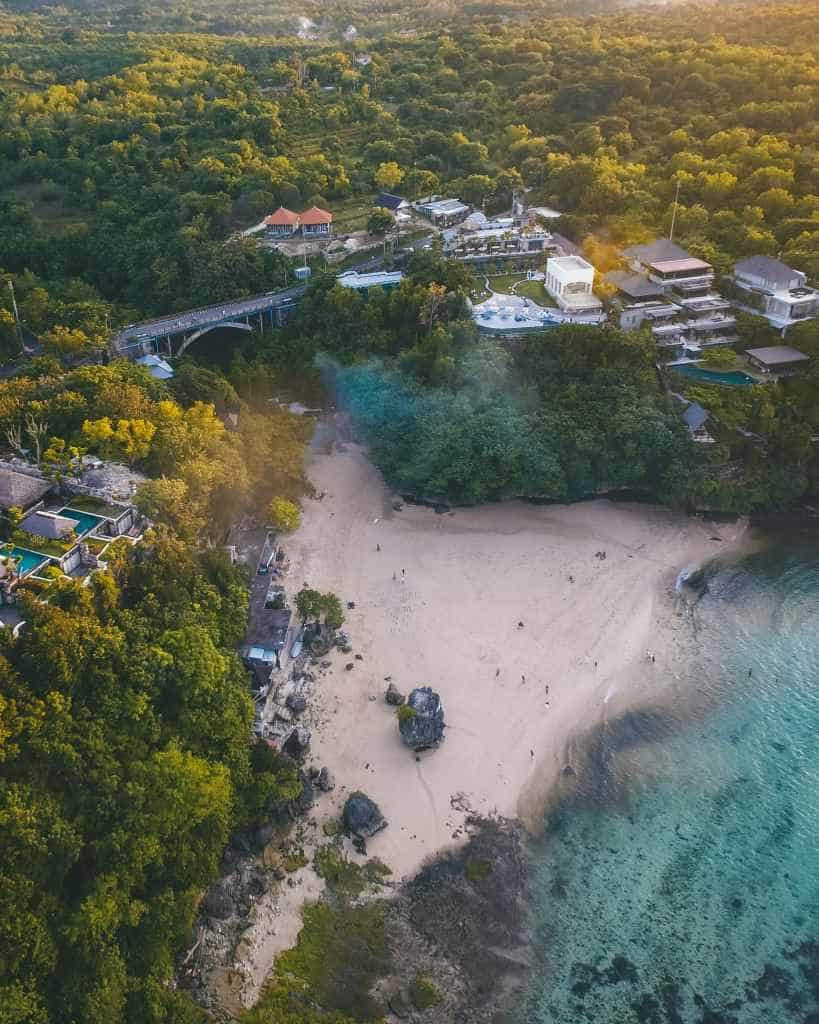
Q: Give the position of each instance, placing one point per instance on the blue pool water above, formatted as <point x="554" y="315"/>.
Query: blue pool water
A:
<point x="681" y="886"/>
<point x="29" y="559"/>
<point x="86" y="520"/>
<point x="714" y="376"/>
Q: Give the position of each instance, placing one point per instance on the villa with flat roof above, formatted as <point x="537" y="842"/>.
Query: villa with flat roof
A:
<point x="570" y="280"/>
<point x="780" y="359"/>
<point x="443" y="212"/>
<point x="667" y="266"/>
<point x="772" y="289"/>
<point x="671" y="290"/>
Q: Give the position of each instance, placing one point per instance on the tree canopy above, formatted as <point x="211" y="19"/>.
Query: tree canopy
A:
<point x="125" y="764"/>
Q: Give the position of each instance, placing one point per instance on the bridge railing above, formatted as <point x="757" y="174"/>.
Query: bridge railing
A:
<point x="269" y="297"/>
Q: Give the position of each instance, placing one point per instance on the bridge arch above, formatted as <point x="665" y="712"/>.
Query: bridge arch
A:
<point x="191" y="338"/>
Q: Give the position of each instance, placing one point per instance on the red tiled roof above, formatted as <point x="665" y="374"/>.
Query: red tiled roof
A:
<point x="282" y="216"/>
<point x="315" y="215"/>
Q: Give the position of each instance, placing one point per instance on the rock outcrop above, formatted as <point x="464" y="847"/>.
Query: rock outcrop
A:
<point x="421" y="719"/>
<point x="394" y="696"/>
<point x="362" y="816"/>
<point x="325" y="780"/>
<point x="296" y="702"/>
<point x="297" y="743"/>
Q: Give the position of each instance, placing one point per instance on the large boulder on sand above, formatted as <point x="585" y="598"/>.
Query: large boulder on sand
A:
<point x="362" y="816"/>
<point x="421" y="719"/>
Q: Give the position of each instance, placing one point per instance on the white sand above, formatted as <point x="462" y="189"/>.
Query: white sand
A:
<point x="449" y="620"/>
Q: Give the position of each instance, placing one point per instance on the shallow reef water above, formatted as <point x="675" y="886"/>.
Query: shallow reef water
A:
<point x="680" y="883"/>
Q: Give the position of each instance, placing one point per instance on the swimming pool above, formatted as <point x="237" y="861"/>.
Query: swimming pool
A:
<point x="29" y="560"/>
<point x="734" y="377"/>
<point x="87" y="521"/>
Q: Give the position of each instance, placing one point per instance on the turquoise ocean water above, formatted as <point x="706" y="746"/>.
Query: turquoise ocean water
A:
<point x="682" y="884"/>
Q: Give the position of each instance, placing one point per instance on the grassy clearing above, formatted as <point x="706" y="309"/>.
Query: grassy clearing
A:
<point x="517" y="284"/>
<point x="49" y="205"/>
<point x="535" y="291"/>
<point x="42" y="545"/>
<point x="8" y="84"/>
<point x="351" y="214"/>
<point x="504" y="282"/>
<point x="96" y="506"/>
<point x="306" y="144"/>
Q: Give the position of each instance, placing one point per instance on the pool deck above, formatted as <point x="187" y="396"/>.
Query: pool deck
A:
<point x="503" y="313"/>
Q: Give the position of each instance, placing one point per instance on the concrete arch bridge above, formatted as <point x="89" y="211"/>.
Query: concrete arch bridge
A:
<point x="170" y="336"/>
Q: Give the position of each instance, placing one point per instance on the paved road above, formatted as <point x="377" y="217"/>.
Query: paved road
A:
<point x="192" y="319"/>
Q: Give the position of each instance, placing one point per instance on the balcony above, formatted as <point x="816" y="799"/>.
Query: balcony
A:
<point x="705" y="305"/>
<point x="714" y="324"/>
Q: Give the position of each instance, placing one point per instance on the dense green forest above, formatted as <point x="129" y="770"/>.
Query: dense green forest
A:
<point x="124" y="766"/>
<point x="137" y="139"/>
<point x="127" y="160"/>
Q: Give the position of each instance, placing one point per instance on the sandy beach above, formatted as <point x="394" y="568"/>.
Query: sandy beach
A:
<point x="438" y="601"/>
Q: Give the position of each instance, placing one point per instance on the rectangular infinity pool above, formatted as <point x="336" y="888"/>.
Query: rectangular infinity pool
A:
<point x="87" y="521"/>
<point x="734" y="377"/>
<point x="29" y="560"/>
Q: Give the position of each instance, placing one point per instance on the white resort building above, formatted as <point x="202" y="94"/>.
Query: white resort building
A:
<point x="772" y="289"/>
<point x="570" y="280"/>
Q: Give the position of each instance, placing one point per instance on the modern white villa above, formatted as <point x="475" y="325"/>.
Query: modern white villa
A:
<point x="570" y="280"/>
<point x="772" y="289"/>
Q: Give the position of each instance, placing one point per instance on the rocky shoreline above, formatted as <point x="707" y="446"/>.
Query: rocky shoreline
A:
<point x="455" y="937"/>
<point x="463" y="923"/>
<point x="254" y="866"/>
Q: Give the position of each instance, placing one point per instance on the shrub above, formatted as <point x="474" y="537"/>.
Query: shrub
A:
<point x="424" y="993"/>
<point x="294" y="860"/>
<point x="405" y="712"/>
<point x="284" y="514"/>
<point x="477" y="870"/>
<point x="344" y="876"/>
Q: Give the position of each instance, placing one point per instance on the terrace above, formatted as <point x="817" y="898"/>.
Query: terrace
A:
<point x="509" y="314"/>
